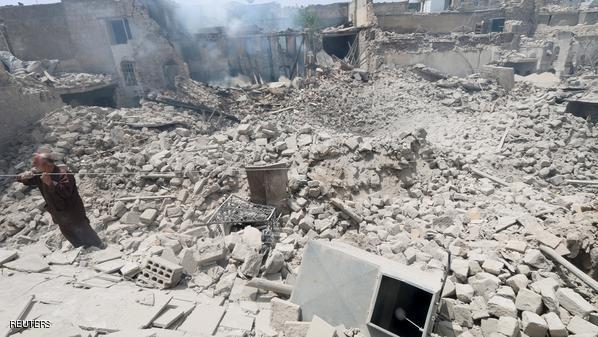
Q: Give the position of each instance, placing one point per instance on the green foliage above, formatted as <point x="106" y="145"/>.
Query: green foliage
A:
<point x="307" y="18"/>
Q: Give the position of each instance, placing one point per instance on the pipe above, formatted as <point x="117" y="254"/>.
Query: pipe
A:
<point x="573" y="269"/>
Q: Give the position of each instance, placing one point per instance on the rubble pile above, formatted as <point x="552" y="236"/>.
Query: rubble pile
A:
<point x="404" y="165"/>
<point x="80" y="80"/>
<point x="45" y="74"/>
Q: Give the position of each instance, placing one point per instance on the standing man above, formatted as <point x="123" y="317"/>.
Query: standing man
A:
<point x="63" y="202"/>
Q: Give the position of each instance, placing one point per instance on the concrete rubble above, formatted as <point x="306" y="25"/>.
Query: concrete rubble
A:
<point x="408" y="163"/>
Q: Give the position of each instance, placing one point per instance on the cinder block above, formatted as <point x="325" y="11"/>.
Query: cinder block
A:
<point x="160" y="273"/>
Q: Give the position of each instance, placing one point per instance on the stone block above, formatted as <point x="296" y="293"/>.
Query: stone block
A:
<point x="508" y="326"/>
<point x="464" y="292"/>
<point x="460" y="268"/>
<point x="462" y="315"/>
<point x="492" y="266"/>
<point x="573" y="302"/>
<point x="484" y="284"/>
<point x="517" y="282"/>
<point x="148" y="216"/>
<point x="284" y="311"/>
<point x="235" y="319"/>
<point x="528" y="300"/>
<point x="556" y="328"/>
<point x="263" y="325"/>
<point x="296" y="329"/>
<point x="504" y="76"/>
<point x="499" y="306"/>
<point x="533" y="325"/>
<point x="579" y="326"/>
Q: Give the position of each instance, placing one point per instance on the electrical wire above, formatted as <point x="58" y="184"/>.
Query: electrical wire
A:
<point x="142" y="173"/>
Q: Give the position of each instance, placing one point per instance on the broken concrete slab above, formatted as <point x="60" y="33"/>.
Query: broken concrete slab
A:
<point x="7" y="255"/>
<point x="263" y="324"/>
<point x="109" y="267"/>
<point x="109" y="253"/>
<point x="320" y="328"/>
<point x="204" y="319"/>
<point x="236" y="319"/>
<point x="28" y="263"/>
<point x="168" y="317"/>
<point x="61" y="258"/>
<point x="130" y="269"/>
<point x="160" y="304"/>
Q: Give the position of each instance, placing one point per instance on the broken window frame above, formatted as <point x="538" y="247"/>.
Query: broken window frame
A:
<point x="124" y="31"/>
<point x="127" y="69"/>
<point x="430" y="317"/>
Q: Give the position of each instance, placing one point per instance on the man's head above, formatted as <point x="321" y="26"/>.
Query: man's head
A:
<point x="43" y="162"/>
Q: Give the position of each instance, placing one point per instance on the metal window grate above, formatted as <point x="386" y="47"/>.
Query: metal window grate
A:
<point x="128" y="70"/>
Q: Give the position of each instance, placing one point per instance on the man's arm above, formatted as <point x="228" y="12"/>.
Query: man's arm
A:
<point x="64" y="187"/>
<point x="28" y="179"/>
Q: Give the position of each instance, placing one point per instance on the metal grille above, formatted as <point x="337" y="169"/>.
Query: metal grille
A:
<point x="128" y="70"/>
<point x="235" y="210"/>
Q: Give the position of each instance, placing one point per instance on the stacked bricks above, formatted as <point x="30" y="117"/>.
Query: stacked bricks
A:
<point x="160" y="273"/>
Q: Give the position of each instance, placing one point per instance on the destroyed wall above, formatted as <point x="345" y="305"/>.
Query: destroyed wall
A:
<point x="558" y="18"/>
<point x="391" y="8"/>
<point x="21" y="107"/>
<point x="588" y="17"/>
<point x="154" y="60"/>
<point x="36" y="32"/>
<point x="454" y="62"/>
<point x="331" y="15"/>
<point x="523" y="11"/>
<point x="471" y="5"/>
<point x="457" y="55"/>
<point x="436" y="23"/>
<point x="80" y="35"/>
<point x="573" y="47"/>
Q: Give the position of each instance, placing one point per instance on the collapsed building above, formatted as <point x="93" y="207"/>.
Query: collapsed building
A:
<point x="358" y="169"/>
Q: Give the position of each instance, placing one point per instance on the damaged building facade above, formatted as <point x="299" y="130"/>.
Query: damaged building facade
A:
<point x="117" y="38"/>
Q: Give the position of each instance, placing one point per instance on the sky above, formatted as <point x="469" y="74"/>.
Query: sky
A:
<point x="283" y="2"/>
